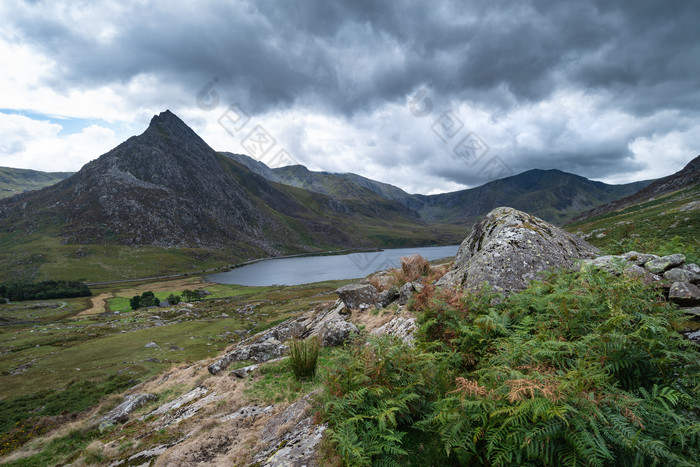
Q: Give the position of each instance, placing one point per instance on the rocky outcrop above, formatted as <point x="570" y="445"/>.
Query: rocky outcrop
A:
<point x="258" y="352"/>
<point x="291" y="437"/>
<point x="387" y="297"/>
<point x="120" y="413"/>
<point x="357" y="296"/>
<point x="508" y="248"/>
<point x="660" y="265"/>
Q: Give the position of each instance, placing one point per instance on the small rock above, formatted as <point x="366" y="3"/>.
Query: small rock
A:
<point x="175" y="347"/>
<point x="152" y="345"/>
<point x="635" y="271"/>
<point x="640" y="259"/>
<point x="657" y="266"/>
<point x="354" y="295"/>
<point x="694" y="311"/>
<point x="258" y="352"/>
<point x="405" y="293"/>
<point x="684" y="294"/>
<point x="336" y="332"/>
<point x="387" y="297"/>
<point x="612" y="264"/>
<point x="401" y="327"/>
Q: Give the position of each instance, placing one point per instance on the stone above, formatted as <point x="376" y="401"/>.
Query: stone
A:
<point x="417" y="286"/>
<point x="387" y="297"/>
<point x="612" y="264"/>
<point x="120" y="413"/>
<point x="405" y="293"/>
<point x="660" y="265"/>
<point x="258" y="352"/>
<point x="354" y="295"/>
<point x="151" y="345"/>
<point x="694" y="311"/>
<point x="640" y="259"/>
<point x="684" y="294"/>
<point x="681" y="275"/>
<point x="508" y="248"/>
<point x="400" y="327"/>
<point x="635" y="271"/>
<point x="692" y="267"/>
<point x="335" y="332"/>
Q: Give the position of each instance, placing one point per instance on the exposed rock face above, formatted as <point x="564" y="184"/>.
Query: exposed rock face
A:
<point x="508" y="248"/>
<point x="356" y="295"/>
<point x="258" y="352"/>
<point x="292" y="437"/>
<point x="120" y="413"/>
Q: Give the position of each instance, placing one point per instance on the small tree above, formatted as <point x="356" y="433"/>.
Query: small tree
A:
<point x="135" y="302"/>
<point x="173" y="299"/>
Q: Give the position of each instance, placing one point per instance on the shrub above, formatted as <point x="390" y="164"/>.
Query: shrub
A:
<point x="414" y="266"/>
<point x="173" y="299"/>
<point x="303" y="357"/>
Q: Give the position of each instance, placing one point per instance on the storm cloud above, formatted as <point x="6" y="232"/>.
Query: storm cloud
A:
<point x="604" y="89"/>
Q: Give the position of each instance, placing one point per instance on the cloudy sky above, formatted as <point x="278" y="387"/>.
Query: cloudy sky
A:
<point x="429" y="96"/>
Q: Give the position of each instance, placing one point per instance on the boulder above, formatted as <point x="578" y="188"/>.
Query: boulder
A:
<point x="387" y="297"/>
<point x="692" y="267"/>
<point x="355" y="295"/>
<point x="660" y="265"/>
<point x="508" y="248"/>
<point x="684" y="294"/>
<point x="286" y="331"/>
<point x="405" y="293"/>
<point x="336" y="332"/>
<point x="635" y="271"/>
<point x="120" y="413"/>
<point x="681" y="275"/>
<point x="400" y="327"/>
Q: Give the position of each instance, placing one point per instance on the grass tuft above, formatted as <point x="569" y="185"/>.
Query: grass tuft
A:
<point x="303" y="357"/>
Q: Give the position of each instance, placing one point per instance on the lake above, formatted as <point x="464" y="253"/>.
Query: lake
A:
<point x="295" y="271"/>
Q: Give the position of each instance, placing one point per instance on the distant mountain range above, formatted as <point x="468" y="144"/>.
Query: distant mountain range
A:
<point x="166" y="188"/>
<point x="13" y="181"/>
<point x="553" y="195"/>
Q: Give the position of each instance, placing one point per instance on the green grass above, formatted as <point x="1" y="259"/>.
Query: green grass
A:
<point x="658" y="226"/>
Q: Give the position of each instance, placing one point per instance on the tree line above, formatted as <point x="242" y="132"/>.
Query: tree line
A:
<point x="44" y="290"/>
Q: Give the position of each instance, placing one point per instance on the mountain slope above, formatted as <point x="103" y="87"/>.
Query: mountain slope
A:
<point x="13" y="181"/>
<point x="686" y="177"/>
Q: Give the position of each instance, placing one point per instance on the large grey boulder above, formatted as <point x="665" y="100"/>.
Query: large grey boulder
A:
<point x="508" y="248"/>
<point x="356" y="296"/>
<point x="681" y="275"/>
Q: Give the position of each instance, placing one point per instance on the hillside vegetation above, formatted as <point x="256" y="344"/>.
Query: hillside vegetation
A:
<point x="13" y="181"/>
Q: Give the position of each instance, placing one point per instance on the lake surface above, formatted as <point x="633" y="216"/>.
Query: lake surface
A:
<point x="295" y="271"/>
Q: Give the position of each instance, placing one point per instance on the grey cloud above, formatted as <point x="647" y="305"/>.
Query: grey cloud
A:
<point x="351" y="58"/>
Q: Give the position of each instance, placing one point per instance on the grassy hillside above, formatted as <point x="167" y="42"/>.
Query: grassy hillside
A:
<point x="14" y="181"/>
<point x="668" y="224"/>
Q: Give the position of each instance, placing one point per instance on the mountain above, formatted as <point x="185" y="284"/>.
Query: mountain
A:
<point x="168" y="188"/>
<point x="686" y="177"/>
<point x="553" y="195"/>
<point x="13" y="181"/>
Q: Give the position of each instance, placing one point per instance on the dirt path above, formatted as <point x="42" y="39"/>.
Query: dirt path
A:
<point x="99" y="304"/>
